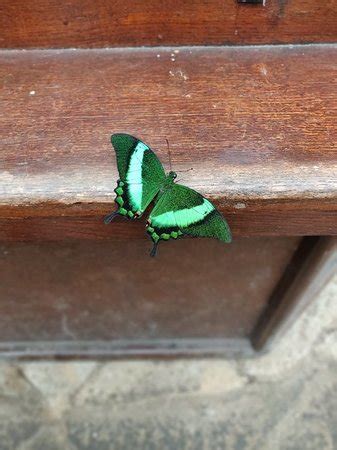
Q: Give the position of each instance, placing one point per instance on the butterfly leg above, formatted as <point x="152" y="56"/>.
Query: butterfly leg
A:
<point x="154" y="238"/>
<point x="110" y="217"/>
<point x="154" y="249"/>
<point x="157" y="234"/>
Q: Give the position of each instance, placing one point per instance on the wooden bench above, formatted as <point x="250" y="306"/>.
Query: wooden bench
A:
<point x="252" y="128"/>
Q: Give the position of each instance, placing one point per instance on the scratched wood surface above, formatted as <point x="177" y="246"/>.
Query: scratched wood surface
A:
<point x="103" y="23"/>
<point x="256" y="125"/>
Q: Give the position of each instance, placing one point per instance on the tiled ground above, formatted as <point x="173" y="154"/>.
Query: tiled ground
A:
<point x="284" y="400"/>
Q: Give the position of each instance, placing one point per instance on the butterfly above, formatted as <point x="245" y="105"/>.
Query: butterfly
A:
<point x="178" y="210"/>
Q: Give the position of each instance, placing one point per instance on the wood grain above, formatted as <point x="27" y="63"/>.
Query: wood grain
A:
<point x="112" y="291"/>
<point x="103" y="23"/>
<point x="256" y="125"/>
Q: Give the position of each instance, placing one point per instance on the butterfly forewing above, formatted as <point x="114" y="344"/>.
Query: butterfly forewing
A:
<point x="141" y="174"/>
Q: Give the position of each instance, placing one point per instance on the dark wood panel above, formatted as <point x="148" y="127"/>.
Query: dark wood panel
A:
<point x="84" y="23"/>
<point x="311" y="268"/>
<point x="251" y="222"/>
<point x="258" y="130"/>
<point x="83" y="292"/>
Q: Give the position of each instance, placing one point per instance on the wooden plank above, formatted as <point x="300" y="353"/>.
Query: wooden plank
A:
<point x="312" y="267"/>
<point x="258" y="130"/>
<point x="103" y="23"/>
<point x="73" y="295"/>
<point x="253" y="222"/>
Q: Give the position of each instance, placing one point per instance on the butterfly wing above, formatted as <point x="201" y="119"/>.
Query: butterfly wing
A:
<point x="181" y="210"/>
<point x="141" y="175"/>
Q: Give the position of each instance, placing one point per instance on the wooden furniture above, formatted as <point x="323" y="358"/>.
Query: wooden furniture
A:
<point x="251" y="127"/>
<point x="130" y="23"/>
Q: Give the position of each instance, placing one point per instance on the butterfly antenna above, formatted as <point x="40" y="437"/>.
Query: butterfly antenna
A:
<point x="169" y="153"/>
<point x="154" y="249"/>
<point x="187" y="170"/>
<point x="110" y="217"/>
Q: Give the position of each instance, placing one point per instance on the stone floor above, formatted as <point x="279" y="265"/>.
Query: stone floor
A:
<point x="285" y="400"/>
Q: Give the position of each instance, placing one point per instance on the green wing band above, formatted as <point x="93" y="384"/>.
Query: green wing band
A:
<point x="184" y="217"/>
<point x="184" y="209"/>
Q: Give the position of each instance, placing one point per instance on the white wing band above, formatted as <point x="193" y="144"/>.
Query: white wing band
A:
<point x="183" y="217"/>
<point x="134" y="176"/>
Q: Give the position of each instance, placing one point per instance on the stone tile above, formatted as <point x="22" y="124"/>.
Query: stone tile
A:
<point x="185" y="420"/>
<point x="327" y="344"/>
<point x="17" y="395"/>
<point x="16" y="431"/>
<point x="219" y="377"/>
<point x="13" y="382"/>
<point x="54" y="378"/>
<point x="311" y="423"/>
<point x="57" y="381"/>
<point x="260" y="416"/>
<point x="135" y="380"/>
<point x="313" y="330"/>
<point x="307" y="435"/>
<point x="48" y="438"/>
<point x="21" y="407"/>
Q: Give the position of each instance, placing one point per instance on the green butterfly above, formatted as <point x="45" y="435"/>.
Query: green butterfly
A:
<point x="178" y="209"/>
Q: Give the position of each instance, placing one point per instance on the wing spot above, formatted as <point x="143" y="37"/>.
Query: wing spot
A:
<point x="119" y="201"/>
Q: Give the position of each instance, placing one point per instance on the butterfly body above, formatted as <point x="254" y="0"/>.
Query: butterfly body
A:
<point x="167" y="183"/>
<point x="178" y="209"/>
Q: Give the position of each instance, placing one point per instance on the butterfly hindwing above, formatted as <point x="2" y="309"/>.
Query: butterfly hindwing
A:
<point x="141" y="175"/>
<point x="181" y="210"/>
